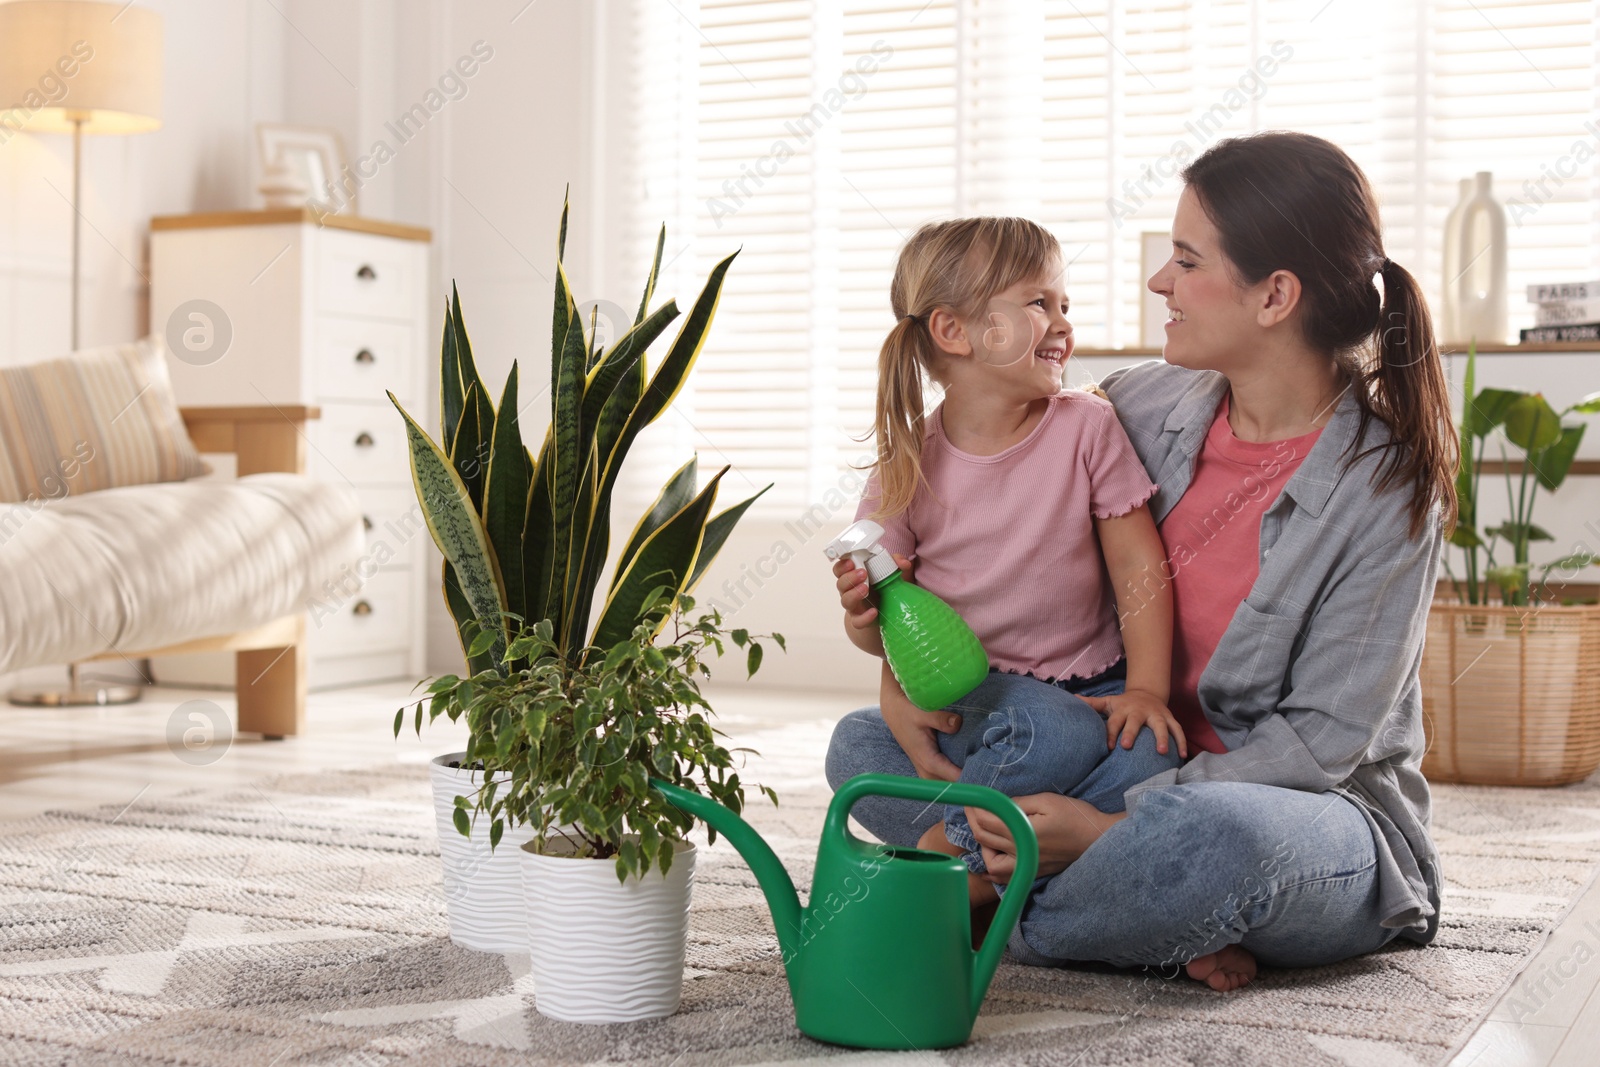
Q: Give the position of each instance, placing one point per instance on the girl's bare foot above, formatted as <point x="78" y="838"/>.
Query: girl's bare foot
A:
<point x="982" y="919"/>
<point x="980" y="891"/>
<point x="1230" y="967"/>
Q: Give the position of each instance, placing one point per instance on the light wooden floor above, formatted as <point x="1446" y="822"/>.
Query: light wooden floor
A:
<point x="1550" y="1016"/>
<point x="85" y="757"/>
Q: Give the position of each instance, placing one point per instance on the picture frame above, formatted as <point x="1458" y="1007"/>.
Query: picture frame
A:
<point x="313" y="158"/>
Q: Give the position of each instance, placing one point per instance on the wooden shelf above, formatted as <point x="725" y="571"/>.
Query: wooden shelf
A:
<point x="1448" y="349"/>
<point x="280" y="216"/>
<point x="253" y="413"/>
<point x="1515" y="466"/>
<point x="1459" y="348"/>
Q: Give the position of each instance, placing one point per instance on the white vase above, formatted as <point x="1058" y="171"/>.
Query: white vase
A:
<point x="605" y="951"/>
<point x="1481" y="288"/>
<point x="482" y="889"/>
<point x="1449" y="328"/>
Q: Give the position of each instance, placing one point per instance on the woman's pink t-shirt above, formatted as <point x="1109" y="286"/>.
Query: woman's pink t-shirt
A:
<point x="1008" y="540"/>
<point x="1212" y="538"/>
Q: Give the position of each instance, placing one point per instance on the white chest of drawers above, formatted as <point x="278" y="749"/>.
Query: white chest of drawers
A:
<point x="330" y="314"/>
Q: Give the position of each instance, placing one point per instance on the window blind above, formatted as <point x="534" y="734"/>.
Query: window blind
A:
<point x="817" y="136"/>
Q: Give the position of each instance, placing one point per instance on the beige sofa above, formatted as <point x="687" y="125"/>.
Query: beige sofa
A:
<point x="186" y="566"/>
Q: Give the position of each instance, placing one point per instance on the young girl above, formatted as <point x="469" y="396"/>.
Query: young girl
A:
<point x="1022" y="506"/>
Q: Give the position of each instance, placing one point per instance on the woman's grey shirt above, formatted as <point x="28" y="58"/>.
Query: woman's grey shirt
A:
<point x="1315" y="683"/>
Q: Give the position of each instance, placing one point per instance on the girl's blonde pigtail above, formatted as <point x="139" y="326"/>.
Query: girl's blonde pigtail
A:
<point x="898" y="423"/>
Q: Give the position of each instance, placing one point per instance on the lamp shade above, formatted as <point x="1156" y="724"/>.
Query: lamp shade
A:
<point x="74" y="60"/>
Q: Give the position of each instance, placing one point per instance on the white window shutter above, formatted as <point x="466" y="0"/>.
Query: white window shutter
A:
<point x="1077" y="112"/>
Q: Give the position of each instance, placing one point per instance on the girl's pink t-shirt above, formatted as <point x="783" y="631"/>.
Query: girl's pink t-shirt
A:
<point x="1212" y="538"/>
<point x="1008" y="540"/>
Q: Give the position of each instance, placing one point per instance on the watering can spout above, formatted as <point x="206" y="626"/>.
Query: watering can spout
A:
<point x="776" y="884"/>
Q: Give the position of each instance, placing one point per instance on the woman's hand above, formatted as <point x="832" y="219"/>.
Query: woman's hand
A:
<point x="1128" y="713"/>
<point x="914" y="729"/>
<point x="1066" y="827"/>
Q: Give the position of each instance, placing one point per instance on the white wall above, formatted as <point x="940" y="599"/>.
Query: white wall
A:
<point x="502" y="157"/>
<point x="223" y="71"/>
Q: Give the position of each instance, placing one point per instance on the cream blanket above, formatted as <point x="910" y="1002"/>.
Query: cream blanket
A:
<point x="146" y="566"/>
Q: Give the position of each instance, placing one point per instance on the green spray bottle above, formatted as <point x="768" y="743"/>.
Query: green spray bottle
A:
<point x="935" y="656"/>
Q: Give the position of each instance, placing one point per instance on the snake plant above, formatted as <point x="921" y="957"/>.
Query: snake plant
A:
<point x="525" y="537"/>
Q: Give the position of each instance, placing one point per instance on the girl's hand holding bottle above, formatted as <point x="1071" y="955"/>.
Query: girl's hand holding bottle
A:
<point x="911" y="726"/>
<point x="860" y="616"/>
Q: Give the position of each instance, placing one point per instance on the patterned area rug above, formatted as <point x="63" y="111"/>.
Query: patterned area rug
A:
<point x="301" y="921"/>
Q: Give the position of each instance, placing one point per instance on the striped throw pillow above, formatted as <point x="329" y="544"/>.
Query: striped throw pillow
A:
<point x="99" y="418"/>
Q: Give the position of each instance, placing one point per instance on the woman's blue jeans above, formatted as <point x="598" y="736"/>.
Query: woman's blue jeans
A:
<point x="1021" y="735"/>
<point x="1290" y="876"/>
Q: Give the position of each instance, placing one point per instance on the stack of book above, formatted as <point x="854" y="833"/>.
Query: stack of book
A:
<point x="1564" y="311"/>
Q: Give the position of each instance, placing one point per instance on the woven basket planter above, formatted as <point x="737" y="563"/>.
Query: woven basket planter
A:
<point x="1511" y="695"/>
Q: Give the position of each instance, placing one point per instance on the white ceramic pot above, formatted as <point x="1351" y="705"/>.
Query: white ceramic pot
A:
<point x="605" y="951"/>
<point x="482" y="889"/>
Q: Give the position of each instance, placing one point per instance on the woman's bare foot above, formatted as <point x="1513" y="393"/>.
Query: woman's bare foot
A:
<point x="1229" y="968"/>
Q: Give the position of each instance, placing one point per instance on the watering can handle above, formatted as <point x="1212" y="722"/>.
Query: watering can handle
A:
<point x="987" y="957"/>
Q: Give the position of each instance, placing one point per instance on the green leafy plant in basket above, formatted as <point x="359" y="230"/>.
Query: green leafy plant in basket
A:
<point x="525" y="538"/>
<point x="1549" y="442"/>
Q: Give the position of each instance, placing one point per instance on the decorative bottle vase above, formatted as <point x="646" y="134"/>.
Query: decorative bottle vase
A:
<point x="1449" y="327"/>
<point x="1481" y="289"/>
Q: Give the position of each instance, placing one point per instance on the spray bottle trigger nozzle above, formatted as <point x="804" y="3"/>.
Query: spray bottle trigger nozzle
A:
<point x="858" y="542"/>
<point x="861" y="544"/>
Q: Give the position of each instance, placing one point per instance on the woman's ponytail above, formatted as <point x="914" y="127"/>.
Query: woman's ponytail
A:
<point x="1409" y="393"/>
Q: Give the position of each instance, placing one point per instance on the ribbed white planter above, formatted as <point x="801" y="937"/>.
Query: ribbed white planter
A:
<point x="605" y="951"/>
<point x="482" y="889"/>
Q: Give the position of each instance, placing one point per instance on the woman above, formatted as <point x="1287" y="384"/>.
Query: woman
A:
<point x="1299" y="430"/>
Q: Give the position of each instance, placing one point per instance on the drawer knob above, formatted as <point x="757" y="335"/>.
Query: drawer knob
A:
<point x="361" y="608"/>
<point x="366" y="356"/>
<point x="366" y="273"/>
<point x="366" y="522"/>
<point x="364" y="440"/>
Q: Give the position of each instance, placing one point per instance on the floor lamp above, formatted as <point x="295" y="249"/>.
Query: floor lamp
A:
<point x="76" y="66"/>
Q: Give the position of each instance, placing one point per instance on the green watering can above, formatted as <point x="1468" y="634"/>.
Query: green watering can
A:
<point x="882" y="956"/>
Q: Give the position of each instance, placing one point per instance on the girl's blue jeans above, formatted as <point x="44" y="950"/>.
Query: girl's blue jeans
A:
<point x="1291" y="876"/>
<point x="1021" y="735"/>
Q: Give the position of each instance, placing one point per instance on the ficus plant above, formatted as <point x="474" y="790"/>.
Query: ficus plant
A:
<point x="1549" y="441"/>
<point x="569" y="745"/>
